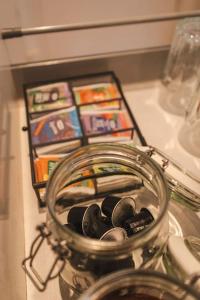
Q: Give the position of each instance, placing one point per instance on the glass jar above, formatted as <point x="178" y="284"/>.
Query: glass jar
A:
<point x="139" y="285"/>
<point x="95" y="176"/>
<point x="184" y="186"/>
<point x="182" y="257"/>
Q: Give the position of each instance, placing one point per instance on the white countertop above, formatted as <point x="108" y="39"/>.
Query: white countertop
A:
<point x="159" y="128"/>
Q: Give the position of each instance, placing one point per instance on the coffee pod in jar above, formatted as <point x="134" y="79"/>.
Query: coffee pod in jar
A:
<point x="114" y="234"/>
<point x="109" y="204"/>
<point x="93" y="224"/>
<point x="75" y="218"/>
<point x="118" y="209"/>
<point x="138" y="222"/>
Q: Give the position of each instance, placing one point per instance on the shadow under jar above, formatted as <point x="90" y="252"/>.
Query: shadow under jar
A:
<point x="139" y="285"/>
<point x="84" y="180"/>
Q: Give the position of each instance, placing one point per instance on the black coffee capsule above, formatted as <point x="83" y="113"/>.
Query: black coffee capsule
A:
<point x="123" y="210"/>
<point x="93" y="224"/>
<point x="75" y="218"/>
<point x="118" y="209"/>
<point x="106" y="220"/>
<point x="117" y="234"/>
<point x="108" y="205"/>
<point x="138" y="222"/>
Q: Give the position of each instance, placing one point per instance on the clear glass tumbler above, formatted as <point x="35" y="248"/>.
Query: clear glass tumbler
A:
<point x="189" y="135"/>
<point x="181" y="74"/>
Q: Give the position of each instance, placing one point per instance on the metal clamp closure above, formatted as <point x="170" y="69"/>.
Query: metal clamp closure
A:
<point x="58" y="247"/>
<point x="150" y="151"/>
<point x="165" y="163"/>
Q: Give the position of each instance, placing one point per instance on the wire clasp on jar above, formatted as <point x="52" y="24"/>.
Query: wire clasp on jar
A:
<point x="58" y="247"/>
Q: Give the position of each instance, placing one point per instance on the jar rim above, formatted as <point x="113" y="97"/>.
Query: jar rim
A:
<point x="94" y="246"/>
<point x="111" y="283"/>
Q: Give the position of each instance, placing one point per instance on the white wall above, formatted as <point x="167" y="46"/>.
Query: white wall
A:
<point x="30" y="13"/>
<point x="48" y="12"/>
<point x="12" y="277"/>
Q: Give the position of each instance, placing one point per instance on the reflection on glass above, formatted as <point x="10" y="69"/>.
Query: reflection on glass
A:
<point x="189" y="135"/>
<point x="181" y="71"/>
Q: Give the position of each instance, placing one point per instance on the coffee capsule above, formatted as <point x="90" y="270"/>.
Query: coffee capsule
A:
<point x="117" y="234"/>
<point x="123" y="210"/>
<point x="138" y="222"/>
<point x="93" y="224"/>
<point x="75" y="218"/>
<point x="106" y="220"/>
<point x="108" y="205"/>
<point x="118" y="209"/>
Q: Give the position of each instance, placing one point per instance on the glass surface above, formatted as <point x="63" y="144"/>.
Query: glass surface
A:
<point x="181" y="72"/>
<point x="143" y="285"/>
<point x="189" y="135"/>
<point x="184" y="186"/>
<point x="32" y="50"/>
<point x="80" y="184"/>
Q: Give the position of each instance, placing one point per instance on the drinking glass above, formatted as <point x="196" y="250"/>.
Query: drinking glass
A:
<point x="189" y="135"/>
<point x="181" y="70"/>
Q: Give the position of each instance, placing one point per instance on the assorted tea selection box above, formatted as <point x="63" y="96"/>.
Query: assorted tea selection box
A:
<point x="67" y="114"/>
